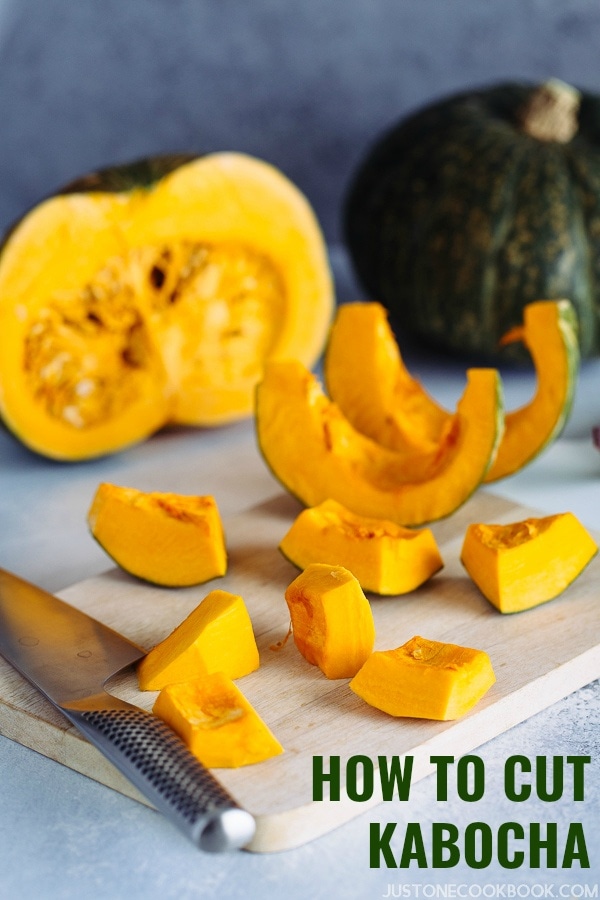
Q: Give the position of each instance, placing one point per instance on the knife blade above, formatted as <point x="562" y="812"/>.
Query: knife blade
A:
<point x="69" y="656"/>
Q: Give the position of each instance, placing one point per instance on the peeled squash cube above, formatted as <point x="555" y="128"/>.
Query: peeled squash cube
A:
<point x="169" y="539"/>
<point x="216" y="636"/>
<point x="316" y="454"/>
<point x="385" y="558"/>
<point x="425" y="679"/>
<point x="332" y="622"/>
<point x="520" y="565"/>
<point x="216" y="722"/>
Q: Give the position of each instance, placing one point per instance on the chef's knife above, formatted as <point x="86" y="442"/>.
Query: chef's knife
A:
<point x="69" y="657"/>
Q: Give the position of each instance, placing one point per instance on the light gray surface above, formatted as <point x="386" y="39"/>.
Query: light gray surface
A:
<point x="64" y="836"/>
<point x="306" y="86"/>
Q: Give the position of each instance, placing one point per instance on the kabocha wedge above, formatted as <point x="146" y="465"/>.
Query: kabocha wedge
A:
<point x="522" y="564"/>
<point x="317" y="455"/>
<point x="217" y="636"/>
<point x="175" y="540"/>
<point x="366" y="376"/>
<point x="384" y="557"/>
<point x="217" y="723"/>
<point x="549" y="331"/>
<point x="332" y="622"/>
<point x="425" y="679"/>
<point x="153" y="293"/>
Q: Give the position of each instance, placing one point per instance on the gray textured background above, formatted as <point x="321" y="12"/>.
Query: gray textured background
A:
<point x="305" y="85"/>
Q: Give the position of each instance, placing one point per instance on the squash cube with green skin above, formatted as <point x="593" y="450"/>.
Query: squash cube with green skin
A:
<point x="386" y="558"/>
<point x="523" y="564"/>
<point x="169" y="539"/>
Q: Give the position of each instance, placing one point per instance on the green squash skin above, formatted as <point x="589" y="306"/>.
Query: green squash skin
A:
<point x="281" y="477"/>
<point x="456" y="219"/>
<point x="569" y="327"/>
<point x="141" y="174"/>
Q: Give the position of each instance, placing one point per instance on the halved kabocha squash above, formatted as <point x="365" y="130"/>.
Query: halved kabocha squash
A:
<point x="384" y="557"/>
<point x="169" y="539"/>
<point x="316" y="454"/>
<point x="153" y="293"/>
<point x="549" y="332"/>
<point x="521" y="564"/>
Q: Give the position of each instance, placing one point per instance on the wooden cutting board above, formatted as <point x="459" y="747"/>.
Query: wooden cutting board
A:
<point x="539" y="657"/>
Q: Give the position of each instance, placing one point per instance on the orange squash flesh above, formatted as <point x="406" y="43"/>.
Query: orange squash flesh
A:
<point x="216" y="722"/>
<point x="549" y="332"/>
<point x="216" y="636"/>
<point x="169" y="539"/>
<point x="385" y="558"/>
<point x="425" y="679"/>
<point x="123" y="311"/>
<point x="317" y="455"/>
<point x="332" y="622"/>
<point x="523" y="564"/>
<point x="366" y="376"/>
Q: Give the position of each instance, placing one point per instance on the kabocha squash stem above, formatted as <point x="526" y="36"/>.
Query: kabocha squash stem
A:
<point x="154" y="294"/>
<point x="550" y="114"/>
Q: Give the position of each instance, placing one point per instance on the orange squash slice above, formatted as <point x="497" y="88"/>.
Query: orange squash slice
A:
<point x="317" y="455"/>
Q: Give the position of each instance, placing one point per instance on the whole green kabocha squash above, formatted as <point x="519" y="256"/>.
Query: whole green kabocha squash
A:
<point x="477" y="205"/>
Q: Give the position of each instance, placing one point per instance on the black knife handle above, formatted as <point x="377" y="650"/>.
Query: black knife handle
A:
<point x="158" y="763"/>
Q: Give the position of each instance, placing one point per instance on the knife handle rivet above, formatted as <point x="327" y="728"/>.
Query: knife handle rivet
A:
<point x="29" y="641"/>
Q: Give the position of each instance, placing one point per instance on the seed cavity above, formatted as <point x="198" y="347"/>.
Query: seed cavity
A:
<point x="89" y="353"/>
